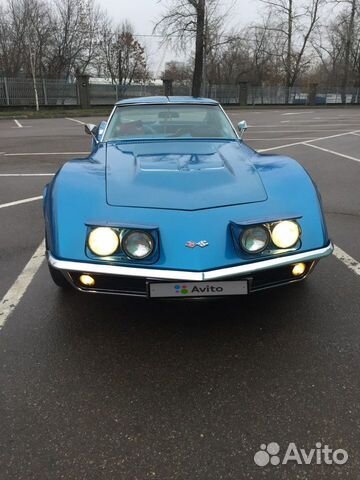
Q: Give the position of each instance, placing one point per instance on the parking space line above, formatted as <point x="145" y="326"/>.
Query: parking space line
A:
<point x="74" y="120"/>
<point x="297" y="113"/>
<point x="31" y="154"/>
<point x="349" y="261"/>
<point x="19" y="202"/>
<point x="19" y="125"/>
<point x="273" y="139"/>
<point x="15" y="293"/>
<point x="332" y="152"/>
<point x="311" y="126"/>
<point x="318" y="139"/>
<point x="278" y="147"/>
<point x="299" y="131"/>
<point x="27" y="174"/>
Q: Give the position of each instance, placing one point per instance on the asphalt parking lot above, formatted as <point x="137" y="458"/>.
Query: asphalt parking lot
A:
<point x="99" y="387"/>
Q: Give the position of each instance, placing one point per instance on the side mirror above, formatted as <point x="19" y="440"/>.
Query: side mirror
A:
<point x="92" y="130"/>
<point x="101" y="129"/>
<point x="242" y="126"/>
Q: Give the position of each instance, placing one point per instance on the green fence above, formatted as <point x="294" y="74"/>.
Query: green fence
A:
<point x="21" y="92"/>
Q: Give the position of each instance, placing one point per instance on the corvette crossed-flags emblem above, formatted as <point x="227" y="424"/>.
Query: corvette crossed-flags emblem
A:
<point x="202" y="244"/>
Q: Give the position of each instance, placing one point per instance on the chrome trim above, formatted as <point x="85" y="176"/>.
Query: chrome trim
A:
<point x="107" y="123"/>
<point x="188" y="275"/>
<point x="231" y="123"/>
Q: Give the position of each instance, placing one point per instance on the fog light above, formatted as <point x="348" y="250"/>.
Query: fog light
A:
<point x="298" y="269"/>
<point x="87" y="280"/>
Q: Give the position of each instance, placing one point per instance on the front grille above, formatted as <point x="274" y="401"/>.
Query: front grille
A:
<point x="138" y="285"/>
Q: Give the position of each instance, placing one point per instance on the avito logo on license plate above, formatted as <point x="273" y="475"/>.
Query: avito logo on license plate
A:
<point x="198" y="289"/>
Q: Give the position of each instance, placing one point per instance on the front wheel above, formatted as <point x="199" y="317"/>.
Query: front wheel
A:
<point x="58" y="278"/>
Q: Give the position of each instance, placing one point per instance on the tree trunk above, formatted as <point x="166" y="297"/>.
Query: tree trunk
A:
<point x="289" y="49"/>
<point x="199" y="49"/>
<point x="33" y="74"/>
<point x="348" y="46"/>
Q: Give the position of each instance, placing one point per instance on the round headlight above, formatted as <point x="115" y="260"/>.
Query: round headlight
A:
<point x="103" y="241"/>
<point x="138" y="245"/>
<point x="285" y="234"/>
<point x="255" y="239"/>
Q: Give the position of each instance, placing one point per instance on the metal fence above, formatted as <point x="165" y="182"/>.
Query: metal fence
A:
<point x="20" y="92"/>
<point x="301" y="96"/>
<point x="105" y="94"/>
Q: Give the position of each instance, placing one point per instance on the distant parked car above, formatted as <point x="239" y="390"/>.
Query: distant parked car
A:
<point x="172" y="203"/>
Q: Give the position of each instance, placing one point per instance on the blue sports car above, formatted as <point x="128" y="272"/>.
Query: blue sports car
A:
<point x="172" y="203"/>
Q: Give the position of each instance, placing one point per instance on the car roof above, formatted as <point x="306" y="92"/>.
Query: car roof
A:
<point x="167" y="100"/>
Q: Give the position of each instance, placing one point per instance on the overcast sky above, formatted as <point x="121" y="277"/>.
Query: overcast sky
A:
<point x="143" y="14"/>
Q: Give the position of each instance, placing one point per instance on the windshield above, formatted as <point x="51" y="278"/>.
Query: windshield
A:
<point x="168" y="121"/>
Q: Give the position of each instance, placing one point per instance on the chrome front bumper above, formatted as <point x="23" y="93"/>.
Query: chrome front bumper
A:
<point x="159" y="274"/>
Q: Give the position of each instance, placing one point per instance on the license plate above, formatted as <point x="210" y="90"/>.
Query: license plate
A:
<point x="198" y="289"/>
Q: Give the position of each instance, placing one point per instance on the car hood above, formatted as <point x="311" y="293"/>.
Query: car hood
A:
<point x="181" y="175"/>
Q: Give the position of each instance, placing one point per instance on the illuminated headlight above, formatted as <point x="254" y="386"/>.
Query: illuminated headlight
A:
<point x="103" y="241"/>
<point x="137" y="245"/>
<point x="285" y="234"/>
<point x="255" y="239"/>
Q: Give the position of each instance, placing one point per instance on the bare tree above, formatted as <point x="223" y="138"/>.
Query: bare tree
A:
<point x="185" y="21"/>
<point x="295" y="23"/>
<point x="199" y="6"/>
<point x="124" y="58"/>
<point x="338" y="46"/>
<point x="76" y="27"/>
<point x="329" y="46"/>
<point x="266" y="64"/>
<point x="180" y="72"/>
<point x="351" y="11"/>
<point x="62" y="34"/>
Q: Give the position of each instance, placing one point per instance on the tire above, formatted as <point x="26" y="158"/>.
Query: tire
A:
<point x="58" y="278"/>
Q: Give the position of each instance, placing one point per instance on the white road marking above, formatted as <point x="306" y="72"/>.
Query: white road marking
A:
<point x="297" y="113"/>
<point x="356" y="134"/>
<point x="349" y="261"/>
<point x="273" y="139"/>
<point x="307" y="141"/>
<point x="299" y="129"/>
<point x="15" y="293"/>
<point x="43" y="153"/>
<point x="19" y="202"/>
<point x="309" y="125"/>
<point x="278" y="147"/>
<point x="18" y="123"/>
<point x="74" y="120"/>
<point x="333" y="152"/>
<point x="27" y="174"/>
